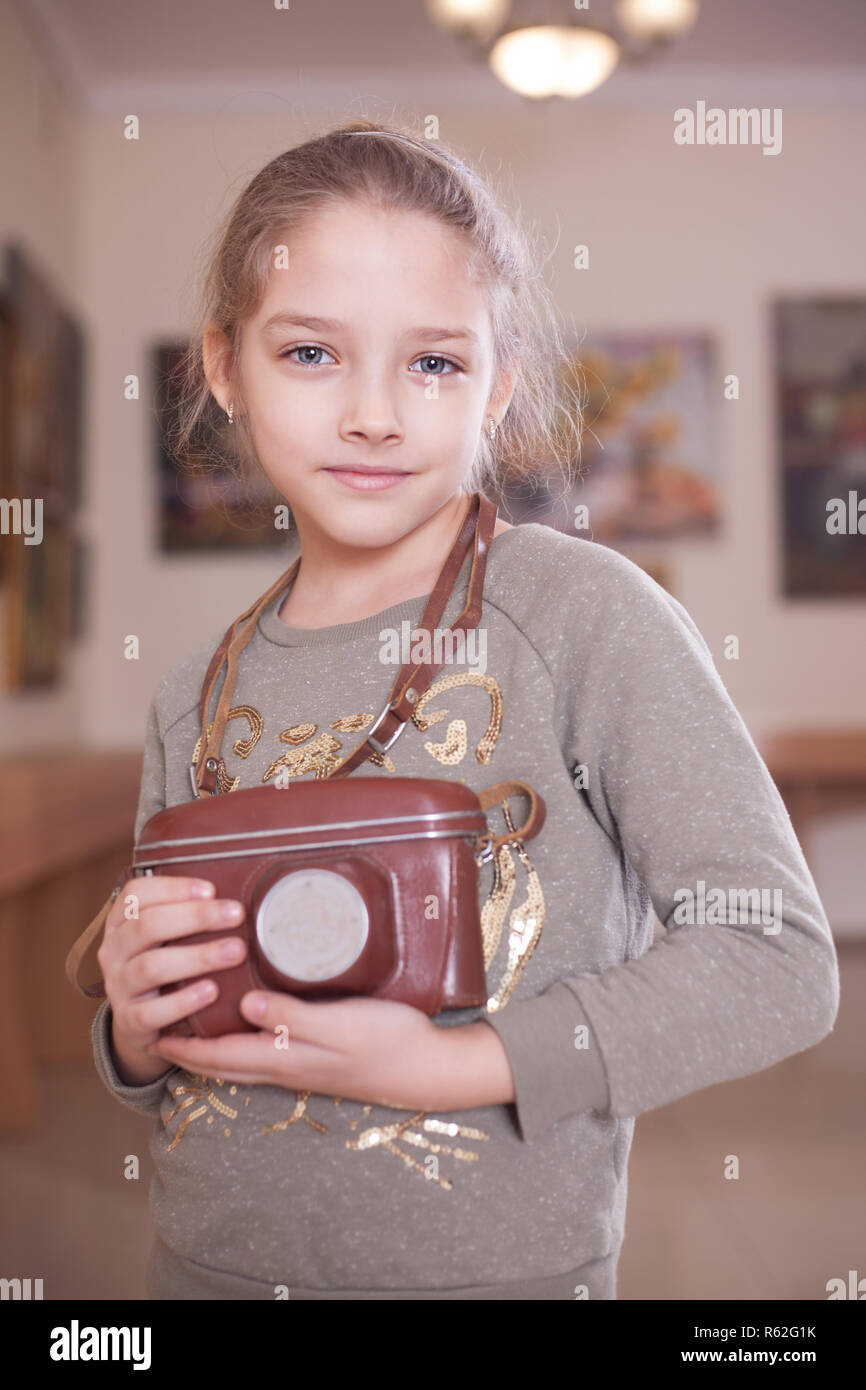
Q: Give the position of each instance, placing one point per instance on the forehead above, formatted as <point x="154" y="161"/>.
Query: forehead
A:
<point x="349" y="260"/>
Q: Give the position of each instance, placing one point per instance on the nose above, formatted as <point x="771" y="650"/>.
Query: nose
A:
<point x="370" y="414"/>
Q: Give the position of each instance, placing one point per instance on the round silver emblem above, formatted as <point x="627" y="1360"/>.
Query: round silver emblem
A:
<point x="312" y="924"/>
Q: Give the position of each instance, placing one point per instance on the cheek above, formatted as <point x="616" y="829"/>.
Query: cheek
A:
<point x="450" y="416"/>
<point x="279" y="414"/>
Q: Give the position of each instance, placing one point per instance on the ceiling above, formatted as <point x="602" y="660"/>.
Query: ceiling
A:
<point x="199" y="54"/>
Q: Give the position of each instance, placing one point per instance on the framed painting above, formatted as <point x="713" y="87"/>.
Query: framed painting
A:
<point x="42" y="352"/>
<point x="649" y="457"/>
<point x="209" y="508"/>
<point x="820" y="346"/>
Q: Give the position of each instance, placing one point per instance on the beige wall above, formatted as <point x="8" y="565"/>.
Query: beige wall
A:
<point x="699" y="238"/>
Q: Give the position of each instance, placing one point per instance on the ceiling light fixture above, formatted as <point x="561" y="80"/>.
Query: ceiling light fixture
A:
<point x="544" y="48"/>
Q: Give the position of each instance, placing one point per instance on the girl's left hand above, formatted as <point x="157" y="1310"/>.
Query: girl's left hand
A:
<point x="372" y="1050"/>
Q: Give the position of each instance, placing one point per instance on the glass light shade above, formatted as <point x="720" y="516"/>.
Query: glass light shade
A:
<point x="481" y="18"/>
<point x="547" y="60"/>
<point x="649" y="19"/>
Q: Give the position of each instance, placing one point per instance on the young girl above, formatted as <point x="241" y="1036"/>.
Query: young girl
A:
<point x="376" y="335"/>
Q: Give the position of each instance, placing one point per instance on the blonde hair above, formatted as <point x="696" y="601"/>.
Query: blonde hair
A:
<point x="540" y="430"/>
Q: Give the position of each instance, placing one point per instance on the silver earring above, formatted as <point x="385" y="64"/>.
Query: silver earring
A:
<point x="230" y="412"/>
<point x="492" y="426"/>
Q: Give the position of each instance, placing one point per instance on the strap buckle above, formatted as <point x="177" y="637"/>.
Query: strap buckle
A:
<point x="211" y="765"/>
<point x="382" y="748"/>
<point x="485" y="854"/>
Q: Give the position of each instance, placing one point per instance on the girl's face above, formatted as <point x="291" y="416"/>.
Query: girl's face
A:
<point x="373" y="347"/>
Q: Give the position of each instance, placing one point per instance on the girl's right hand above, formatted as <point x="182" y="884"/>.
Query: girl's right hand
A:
<point x="134" y="963"/>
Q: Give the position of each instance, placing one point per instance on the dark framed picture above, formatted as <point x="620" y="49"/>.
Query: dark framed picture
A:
<point x="39" y="618"/>
<point x="42" y="354"/>
<point x="210" y="508"/>
<point x="820" y="345"/>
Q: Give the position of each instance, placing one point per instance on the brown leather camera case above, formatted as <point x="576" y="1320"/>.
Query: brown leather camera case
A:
<point x="407" y="845"/>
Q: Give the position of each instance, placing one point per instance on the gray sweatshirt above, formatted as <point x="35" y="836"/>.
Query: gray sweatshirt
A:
<point x="590" y="682"/>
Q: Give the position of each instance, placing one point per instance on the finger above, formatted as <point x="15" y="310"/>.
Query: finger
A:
<point x="164" y="964"/>
<point x="147" y="1013"/>
<point x="149" y="889"/>
<point x="275" y="1012"/>
<point x="249" y="1052"/>
<point x="154" y="924"/>
<point x="135" y="910"/>
<point x="255" y="1058"/>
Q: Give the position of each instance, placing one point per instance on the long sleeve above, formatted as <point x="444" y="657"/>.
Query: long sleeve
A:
<point x="674" y="778"/>
<point x="145" y="1099"/>
<point x="151" y="798"/>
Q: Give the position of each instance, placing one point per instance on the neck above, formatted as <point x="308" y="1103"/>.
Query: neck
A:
<point x="337" y="583"/>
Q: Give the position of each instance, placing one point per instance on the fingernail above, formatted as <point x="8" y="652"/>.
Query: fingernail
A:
<point x="255" y="1006"/>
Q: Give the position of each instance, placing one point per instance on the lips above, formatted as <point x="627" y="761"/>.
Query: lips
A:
<point x="367" y="480"/>
<point x="357" y="468"/>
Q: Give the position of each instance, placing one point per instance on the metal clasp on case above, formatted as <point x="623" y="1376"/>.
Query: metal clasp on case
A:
<point x="486" y="854"/>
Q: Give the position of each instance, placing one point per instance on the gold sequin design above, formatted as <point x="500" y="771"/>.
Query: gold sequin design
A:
<point x="387" y="1137"/>
<point x="524" y="928"/>
<point x="320" y="754"/>
<point x="453" y="750"/>
<point x="197" y="1092"/>
<point x="299" y="1112"/>
<point x="242" y="746"/>
<point x="497" y="902"/>
<point x="298" y="733"/>
<point x="353" y="723"/>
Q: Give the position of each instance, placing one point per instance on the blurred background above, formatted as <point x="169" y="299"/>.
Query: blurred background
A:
<point x="710" y="272"/>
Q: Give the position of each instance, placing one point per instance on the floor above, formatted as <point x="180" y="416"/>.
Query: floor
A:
<point x="793" y="1219"/>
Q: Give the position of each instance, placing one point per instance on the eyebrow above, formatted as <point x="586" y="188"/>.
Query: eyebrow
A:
<point x="320" y="325"/>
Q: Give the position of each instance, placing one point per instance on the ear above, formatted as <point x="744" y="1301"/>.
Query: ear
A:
<point x="500" y="396"/>
<point x="216" y="358"/>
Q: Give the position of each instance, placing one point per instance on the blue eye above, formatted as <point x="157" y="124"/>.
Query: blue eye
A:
<point x="305" y="347"/>
<point x="314" y="347"/>
<point x="437" y="357"/>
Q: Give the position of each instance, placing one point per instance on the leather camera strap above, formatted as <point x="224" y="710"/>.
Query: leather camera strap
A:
<point x="411" y="682"/>
<point x="88" y="939"/>
<point x="530" y="827"/>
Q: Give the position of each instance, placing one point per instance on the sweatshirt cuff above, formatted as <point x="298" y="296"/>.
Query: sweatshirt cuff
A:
<point x="557" y="1070"/>
<point x="147" y="1099"/>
